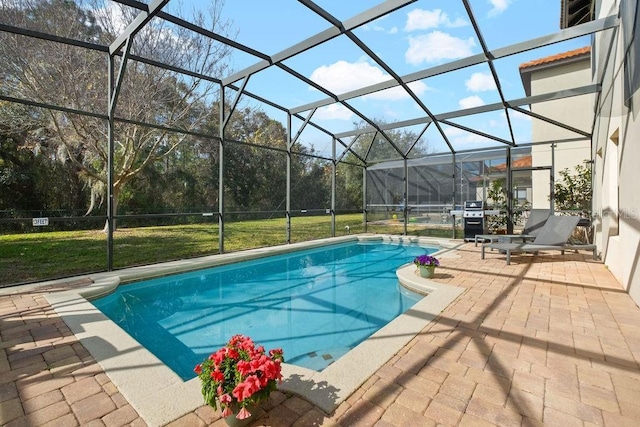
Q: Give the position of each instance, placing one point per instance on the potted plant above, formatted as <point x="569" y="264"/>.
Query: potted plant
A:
<point x="238" y="377"/>
<point x="426" y="264"/>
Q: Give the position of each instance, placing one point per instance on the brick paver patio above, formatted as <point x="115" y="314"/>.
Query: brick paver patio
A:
<point x="550" y="339"/>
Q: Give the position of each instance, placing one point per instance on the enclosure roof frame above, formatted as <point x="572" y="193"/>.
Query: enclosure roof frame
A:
<point x="338" y="28"/>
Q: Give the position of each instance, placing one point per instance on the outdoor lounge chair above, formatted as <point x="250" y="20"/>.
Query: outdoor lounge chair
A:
<point x="553" y="236"/>
<point x="535" y="221"/>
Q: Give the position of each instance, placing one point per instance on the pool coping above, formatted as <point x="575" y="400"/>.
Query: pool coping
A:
<point x="160" y="396"/>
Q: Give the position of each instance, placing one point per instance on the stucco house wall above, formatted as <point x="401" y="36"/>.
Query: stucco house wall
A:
<point x="547" y="75"/>
<point x="616" y="152"/>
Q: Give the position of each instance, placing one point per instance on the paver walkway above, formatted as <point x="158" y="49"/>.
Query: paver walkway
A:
<point x="550" y="340"/>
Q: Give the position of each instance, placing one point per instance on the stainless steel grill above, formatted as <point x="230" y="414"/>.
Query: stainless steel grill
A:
<point x="473" y="215"/>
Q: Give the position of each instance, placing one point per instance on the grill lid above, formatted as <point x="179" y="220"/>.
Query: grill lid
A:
<point x="473" y="205"/>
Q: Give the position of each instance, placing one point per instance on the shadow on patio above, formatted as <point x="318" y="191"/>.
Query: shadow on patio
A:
<point x="549" y="339"/>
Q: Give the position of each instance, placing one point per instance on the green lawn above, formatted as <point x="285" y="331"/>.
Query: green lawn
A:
<point x="45" y="255"/>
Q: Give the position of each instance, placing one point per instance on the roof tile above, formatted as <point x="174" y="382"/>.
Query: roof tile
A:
<point x="557" y="57"/>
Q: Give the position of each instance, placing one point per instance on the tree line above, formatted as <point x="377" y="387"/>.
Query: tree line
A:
<point x="52" y="160"/>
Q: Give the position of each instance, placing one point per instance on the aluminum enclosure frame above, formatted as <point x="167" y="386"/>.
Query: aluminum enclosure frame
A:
<point x="237" y="82"/>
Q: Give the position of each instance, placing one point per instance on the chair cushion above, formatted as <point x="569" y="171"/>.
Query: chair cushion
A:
<point x="556" y="230"/>
<point x="536" y="220"/>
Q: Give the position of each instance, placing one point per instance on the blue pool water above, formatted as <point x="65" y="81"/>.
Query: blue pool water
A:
<point x="315" y="304"/>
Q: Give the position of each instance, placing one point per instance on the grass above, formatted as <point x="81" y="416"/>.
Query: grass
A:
<point x="46" y="255"/>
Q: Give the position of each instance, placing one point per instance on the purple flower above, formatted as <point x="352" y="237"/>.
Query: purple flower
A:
<point x="425" y="260"/>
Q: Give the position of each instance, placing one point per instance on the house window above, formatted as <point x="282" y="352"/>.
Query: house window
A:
<point x="521" y="194"/>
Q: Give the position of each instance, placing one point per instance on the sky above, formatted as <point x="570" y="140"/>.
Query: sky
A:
<point x="419" y="36"/>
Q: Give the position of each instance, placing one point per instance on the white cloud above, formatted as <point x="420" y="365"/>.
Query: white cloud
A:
<point x="517" y="115"/>
<point x="461" y="139"/>
<point x="377" y="26"/>
<point x="343" y="76"/>
<point x="115" y="18"/>
<point x="459" y="22"/>
<point x="472" y="140"/>
<point x="470" y="102"/>
<point x="390" y="114"/>
<point x="333" y="112"/>
<point x="111" y="18"/>
<point x="498" y="6"/>
<point x="397" y="93"/>
<point x="419" y="88"/>
<point x="437" y="46"/>
<point x="454" y="131"/>
<point x="380" y="29"/>
<point x="479" y="82"/>
<point x="421" y="19"/>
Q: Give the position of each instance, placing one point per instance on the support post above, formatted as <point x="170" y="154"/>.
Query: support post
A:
<point x="110" y="137"/>
<point x="552" y="192"/>
<point x="221" y="175"/>
<point x="288" y="196"/>
<point x="333" y="188"/>
<point x="405" y="197"/>
<point x="509" y="190"/>
<point x="364" y="198"/>
<point x="453" y="195"/>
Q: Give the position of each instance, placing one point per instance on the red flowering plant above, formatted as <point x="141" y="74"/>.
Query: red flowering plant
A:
<point x="239" y="375"/>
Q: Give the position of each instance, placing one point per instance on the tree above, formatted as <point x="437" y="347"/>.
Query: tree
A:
<point x="573" y="190"/>
<point x="377" y="147"/>
<point x="497" y="196"/>
<point x="32" y="178"/>
<point x="255" y="176"/>
<point x="69" y="76"/>
<point x="311" y="181"/>
<point x="349" y="186"/>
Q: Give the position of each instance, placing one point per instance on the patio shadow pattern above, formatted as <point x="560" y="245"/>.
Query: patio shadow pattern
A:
<point x="550" y="339"/>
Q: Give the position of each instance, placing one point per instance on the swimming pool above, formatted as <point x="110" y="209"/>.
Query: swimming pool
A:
<point x="316" y="304"/>
<point x="160" y="395"/>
